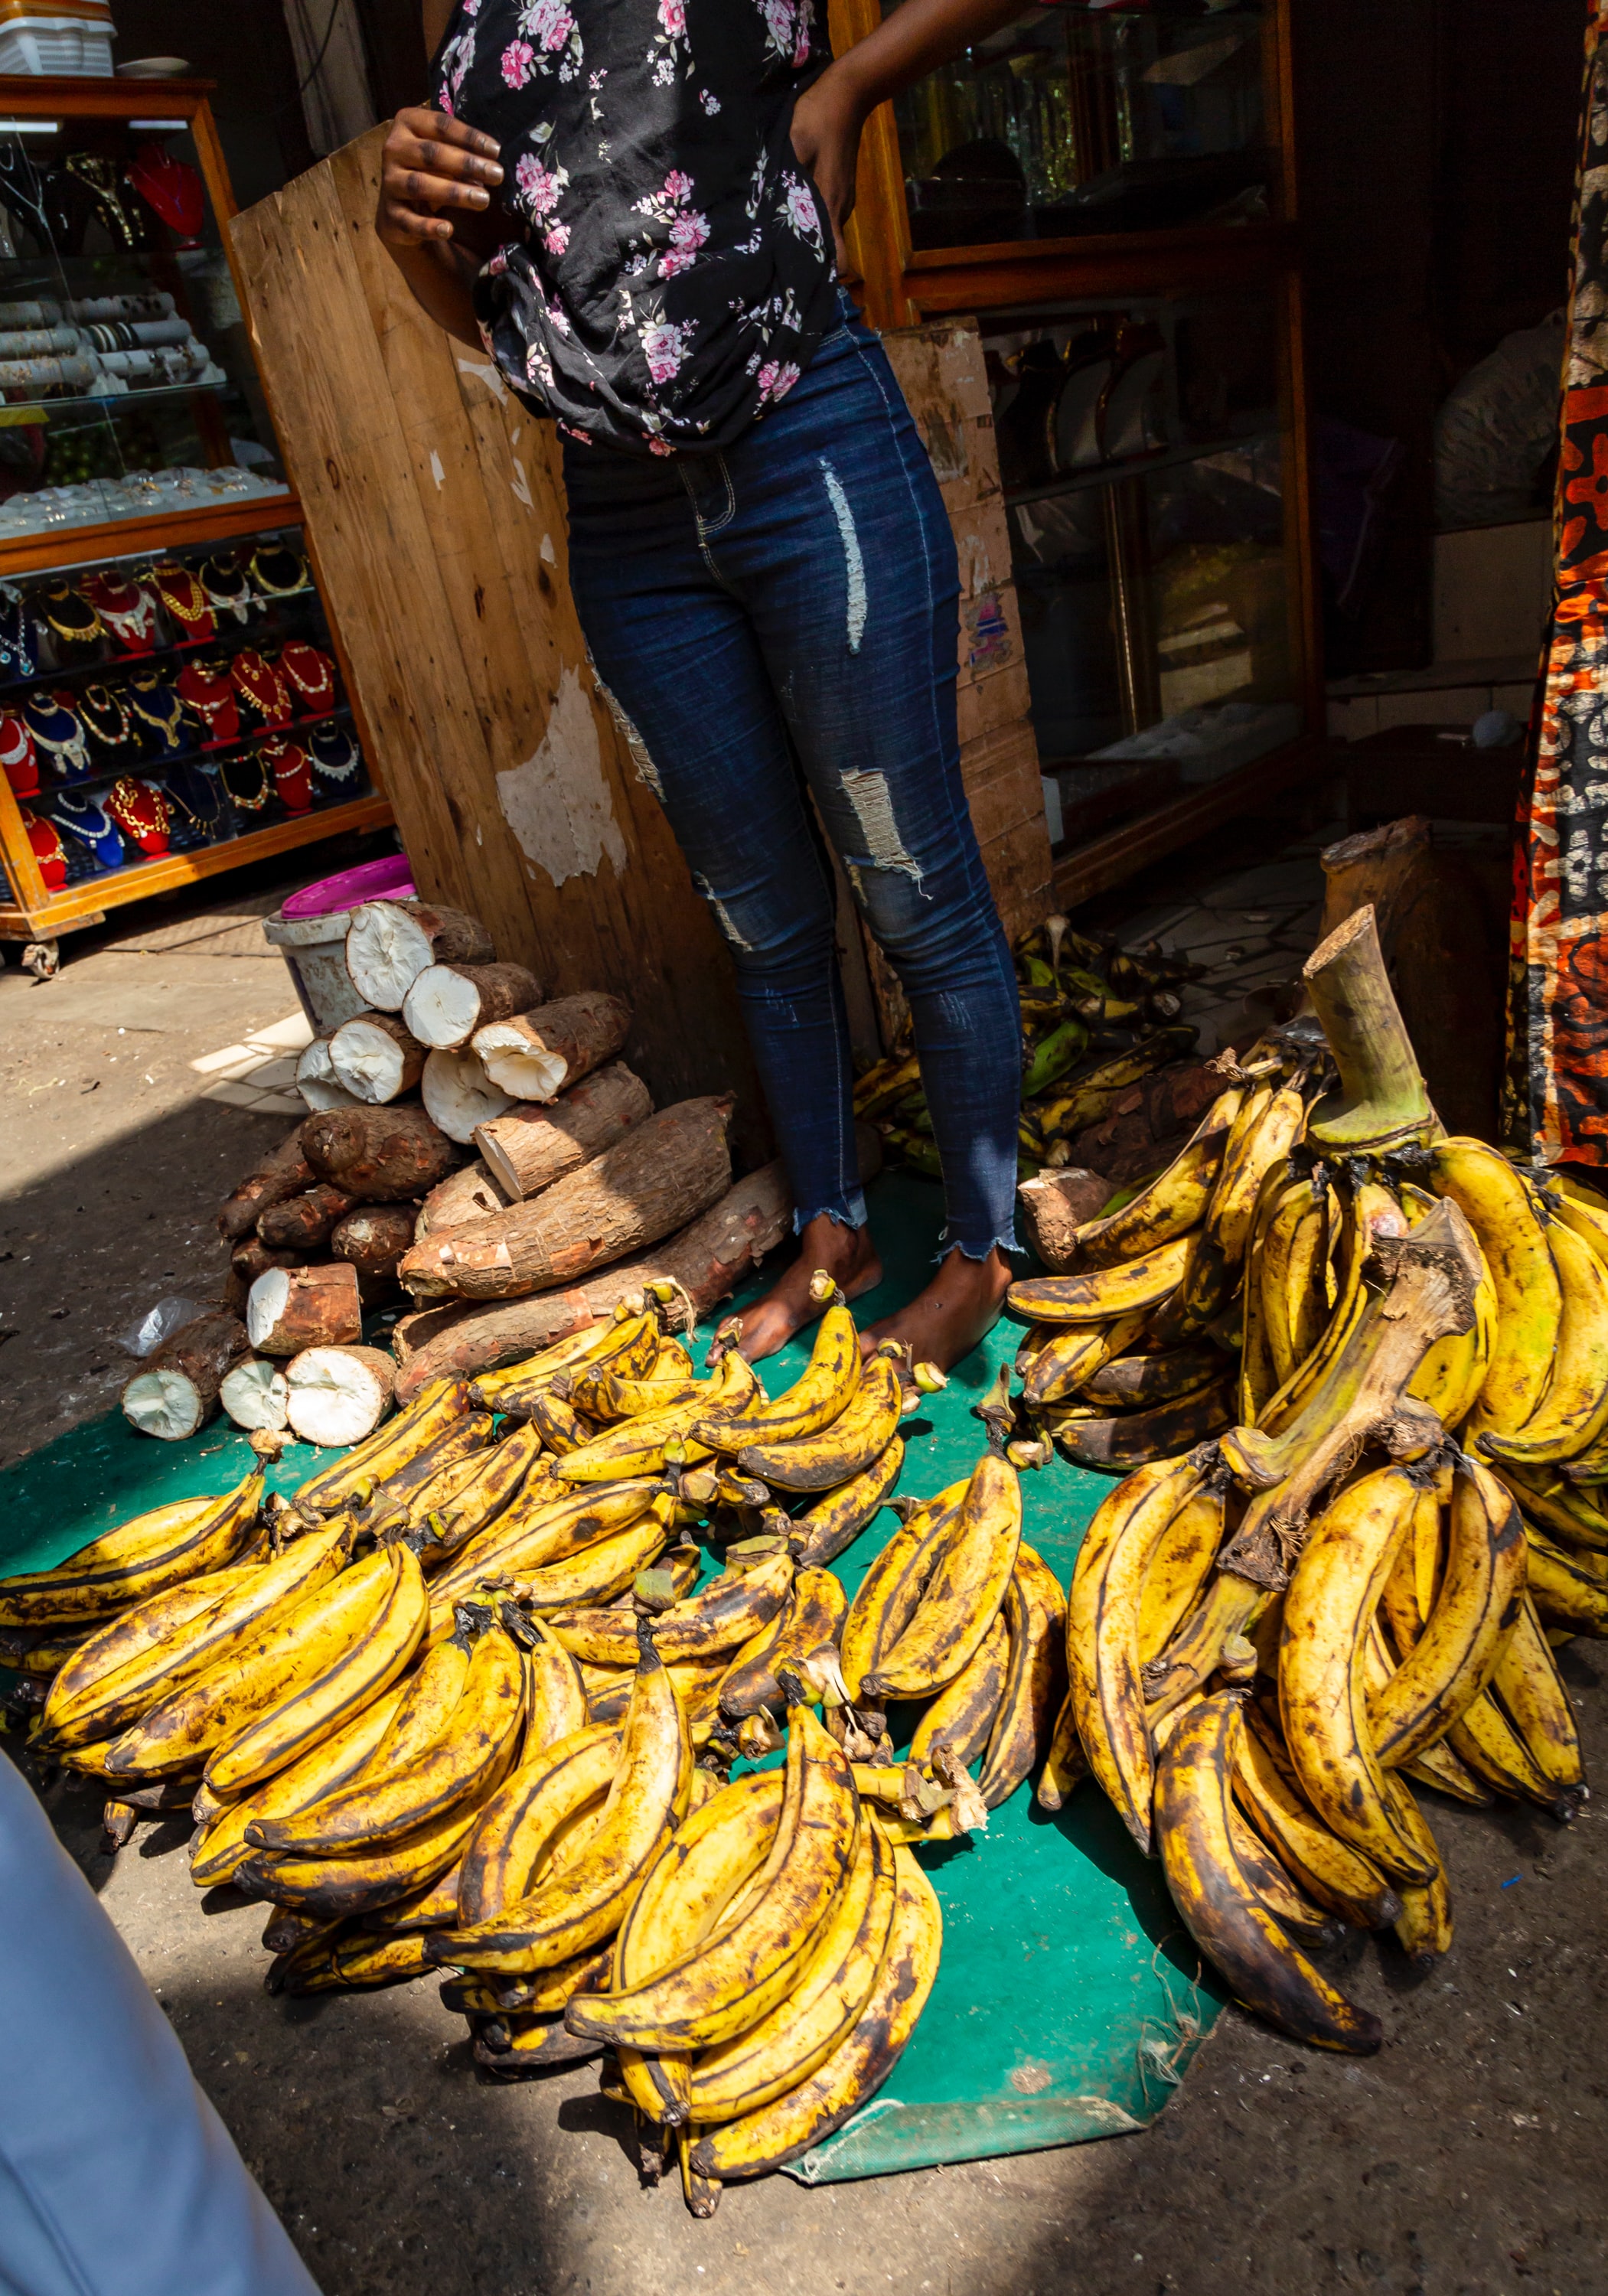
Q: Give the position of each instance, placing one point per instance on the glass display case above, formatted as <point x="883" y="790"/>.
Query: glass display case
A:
<point x="1108" y="194"/>
<point x="171" y="698"/>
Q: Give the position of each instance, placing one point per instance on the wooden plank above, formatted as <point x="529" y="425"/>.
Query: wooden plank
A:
<point x="434" y="504"/>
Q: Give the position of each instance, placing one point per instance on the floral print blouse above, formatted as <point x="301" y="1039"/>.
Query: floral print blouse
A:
<point x="669" y="270"/>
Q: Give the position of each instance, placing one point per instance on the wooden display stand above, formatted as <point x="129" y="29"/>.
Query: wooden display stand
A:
<point x="34" y="914"/>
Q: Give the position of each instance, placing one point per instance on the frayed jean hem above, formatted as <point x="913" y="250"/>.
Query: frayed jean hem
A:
<point x="950" y="1241"/>
<point x="848" y="1211"/>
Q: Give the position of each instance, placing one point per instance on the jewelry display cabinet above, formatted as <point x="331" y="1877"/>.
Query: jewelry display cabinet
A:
<point x="1108" y="193"/>
<point x="172" y="701"/>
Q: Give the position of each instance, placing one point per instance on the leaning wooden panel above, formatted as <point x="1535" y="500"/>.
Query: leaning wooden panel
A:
<point x="435" y="511"/>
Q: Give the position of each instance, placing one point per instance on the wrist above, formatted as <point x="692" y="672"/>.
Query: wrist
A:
<point x="843" y="94"/>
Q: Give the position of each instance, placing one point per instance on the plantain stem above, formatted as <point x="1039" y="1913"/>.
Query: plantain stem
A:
<point x="1383" y="1101"/>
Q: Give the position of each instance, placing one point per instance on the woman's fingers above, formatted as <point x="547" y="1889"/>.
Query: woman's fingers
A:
<point x="431" y="162"/>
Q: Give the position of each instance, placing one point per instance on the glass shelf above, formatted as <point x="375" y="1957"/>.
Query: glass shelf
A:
<point x="1072" y="120"/>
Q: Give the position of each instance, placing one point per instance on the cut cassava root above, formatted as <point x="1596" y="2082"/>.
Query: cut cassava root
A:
<point x="291" y="1309"/>
<point x="338" y="1394"/>
<point x="389" y="944"/>
<point x="254" y="1394"/>
<point x="447" y="1002"/>
<point x="664" y="1173"/>
<point x="529" y="1148"/>
<point x="376" y="1058"/>
<point x="316" y="1077"/>
<point x="468" y="1193"/>
<point x="176" y="1390"/>
<point x="459" y="1095"/>
<point x="536" y="1054"/>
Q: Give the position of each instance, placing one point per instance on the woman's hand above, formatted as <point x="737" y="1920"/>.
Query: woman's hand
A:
<point x="826" y="123"/>
<point x="431" y="161"/>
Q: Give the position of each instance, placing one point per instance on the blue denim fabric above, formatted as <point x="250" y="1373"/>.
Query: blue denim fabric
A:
<point x="777" y="623"/>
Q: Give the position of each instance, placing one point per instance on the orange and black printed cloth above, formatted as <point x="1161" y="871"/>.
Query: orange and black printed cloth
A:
<point x="1556" y="1101"/>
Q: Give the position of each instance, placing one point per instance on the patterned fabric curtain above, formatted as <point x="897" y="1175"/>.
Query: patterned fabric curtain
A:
<point x="1556" y="1103"/>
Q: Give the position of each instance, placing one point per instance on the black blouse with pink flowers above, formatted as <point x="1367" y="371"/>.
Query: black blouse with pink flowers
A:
<point x="671" y="268"/>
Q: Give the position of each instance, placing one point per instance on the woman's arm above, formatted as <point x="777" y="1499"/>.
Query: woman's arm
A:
<point x="431" y="162"/>
<point x="918" y="35"/>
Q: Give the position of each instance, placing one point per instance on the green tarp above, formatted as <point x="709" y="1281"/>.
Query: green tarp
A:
<point x="1069" y="1999"/>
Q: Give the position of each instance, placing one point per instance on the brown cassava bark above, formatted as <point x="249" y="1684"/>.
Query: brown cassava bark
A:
<point x="664" y="1173"/>
<point x="283" y="1172"/>
<point x="532" y="1146"/>
<point x="374" y="1238"/>
<point x="1055" y="1205"/>
<point x="304" y="1222"/>
<point x="379" y="1155"/>
<point x="199" y="1352"/>
<point x="468" y="1193"/>
<point x="295" y="1307"/>
<point x="707" y="1259"/>
<point x="564" y="1041"/>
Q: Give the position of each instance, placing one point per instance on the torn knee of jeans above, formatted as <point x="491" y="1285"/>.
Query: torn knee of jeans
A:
<point x="727" y="926"/>
<point x="853" y="564"/>
<point x="647" y="773"/>
<point x="869" y="795"/>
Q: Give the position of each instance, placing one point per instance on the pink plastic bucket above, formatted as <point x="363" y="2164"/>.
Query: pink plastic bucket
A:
<point x="391" y="880"/>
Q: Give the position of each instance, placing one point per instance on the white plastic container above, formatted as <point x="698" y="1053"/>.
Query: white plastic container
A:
<point x="310" y="932"/>
<point x="72" y="41"/>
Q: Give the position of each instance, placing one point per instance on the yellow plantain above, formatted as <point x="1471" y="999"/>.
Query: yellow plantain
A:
<point x="555" y="1696"/>
<point x="1178" y="1570"/>
<point x="521" y="1823"/>
<point x="722" y="1988"/>
<point x="484" y="1486"/>
<point x="359" y="1472"/>
<point x="1565" y="1592"/>
<point x="1065" y="1765"/>
<point x="1450" y="1663"/>
<point x="1104" y="1294"/>
<point x="537" y="1530"/>
<point x="220" y="1845"/>
<point x="595" y="1344"/>
<point x="636" y="1447"/>
<point x="340" y="1889"/>
<point x="706" y="1864"/>
<point x="1333" y="1595"/>
<point x="826" y="1387"/>
<point x="144" y="1557"/>
<point x="412" y="1786"/>
<point x="1275" y="1890"/>
<point x="601" y="1571"/>
<point x="208" y="1640"/>
<point x="754" y="2067"/>
<point x="1553" y="1505"/>
<point x="962" y="1598"/>
<point x="542" y="1995"/>
<point x="1530" y="1692"/>
<point x="813" y="1614"/>
<point x="1423" y="1927"/>
<point x="1502" y="1210"/>
<point x="1484" y="1739"/>
<point x="1332" y="1874"/>
<point x="1174" y="1203"/>
<point x="1285" y="1270"/>
<point x="1263" y="1969"/>
<point x="368" y="1961"/>
<point x="885" y="1601"/>
<point x="567" y="1912"/>
<point x="853" y="1442"/>
<point x="1574" y="1410"/>
<point x="1034" y="1612"/>
<point x="721" y="1616"/>
<point x="1230" y="1607"/>
<point x="962" y="1717"/>
<point x="823" y="1532"/>
<point x="845" y="2081"/>
<point x="134" y="1633"/>
<point x="1103" y="1630"/>
<point x="1373" y="1210"/>
<point x="1067" y="1360"/>
<point x="1268" y="1135"/>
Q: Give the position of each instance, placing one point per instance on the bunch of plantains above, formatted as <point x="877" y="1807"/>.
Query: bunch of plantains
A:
<point x="462" y="1704"/>
<point x="1278" y="1636"/>
<point x="1095" y="1020"/>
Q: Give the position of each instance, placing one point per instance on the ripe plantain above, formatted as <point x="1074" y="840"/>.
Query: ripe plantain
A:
<point x="568" y="1911"/>
<point x="885" y="1601"/>
<point x="1103" y="1293"/>
<point x="1066" y="1764"/>
<point x="601" y="1571"/>
<point x="1134" y="1383"/>
<point x="143" y="1557"/>
<point x="1276" y="1893"/>
<point x="1373" y="1210"/>
<point x="707" y="1864"/>
<point x="730" y="1983"/>
<point x="823" y="1532"/>
<point x="1484" y="1739"/>
<point x="1565" y="1512"/>
<point x="962" y="1599"/>
<point x="521" y="1823"/>
<point x="1035" y="1685"/>
<point x="1423" y="1927"/>
<point x="363" y="1961"/>
<point x="1530" y="1692"/>
<point x="1173" y="1203"/>
<point x="537" y="1531"/>
<point x="1332" y="1872"/>
<point x="636" y="1447"/>
<point x="961" y="1719"/>
<point x="220" y="1845"/>
<point x="414" y="1786"/>
<point x="800" y="2118"/>
<point x="754" y="2067"/>
<point x="131" y="1636"/>
<point x="484" y="1486"/>
<point x="341" y="1889"/>
<point x="1451" y="1660"/>
<point x="355" y="1476"/>
<point x="1178" y="1570"/>
<point x="1265" y="1971"/>
<point x="1502" y="1210"/>
<point x="812" y="1614"/>
<point x="1268" y="1134"/>
<point x="721" y="1616"/>
<point x="826" y="1387"/>
<point x="1103" y="1630"/>
<point x="1333" y="1595"/>
<point x="1230" y="1607"/>
<point x="1574" y="1410"/>
<point x="1067" y="1359"/>
<point x="1565" y="1592"/>
<point x="853" y="1442"/>
<point x="1116" y="1446"/>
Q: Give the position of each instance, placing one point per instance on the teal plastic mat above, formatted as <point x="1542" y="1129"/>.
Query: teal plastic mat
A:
<point x="1069" y="1999"/>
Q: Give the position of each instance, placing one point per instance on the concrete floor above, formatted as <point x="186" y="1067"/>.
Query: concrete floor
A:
<point x="1464" y="2161"/>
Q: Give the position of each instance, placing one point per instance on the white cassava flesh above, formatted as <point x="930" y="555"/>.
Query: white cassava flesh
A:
<point x="534" y="1054"/>
<point x="315" y="1078"/>
<point x="389" y="944"/>
<point x="376" y="1058"/>
<point x="255" y="1395"/>
<point x="289" y="1308"/>
<point x="177" y="1391"/>
<point x="458" y="1095"/>
<point x="164" y="1403"/>
<point x="338" y="1394"/>
<point x="447" y="1002"/>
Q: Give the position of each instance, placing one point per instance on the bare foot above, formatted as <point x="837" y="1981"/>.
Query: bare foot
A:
<point x="945" y="1321"/>
<point x="850" y="1258"/>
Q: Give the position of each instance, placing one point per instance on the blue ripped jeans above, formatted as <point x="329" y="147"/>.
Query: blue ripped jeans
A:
<point x="779" y="623"/>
